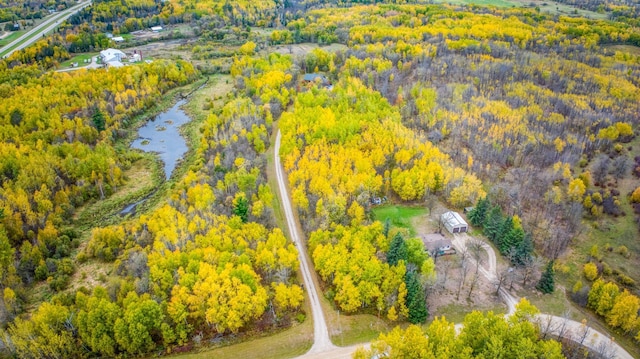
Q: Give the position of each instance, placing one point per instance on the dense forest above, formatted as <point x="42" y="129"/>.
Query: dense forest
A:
<point x="527" y="116"/>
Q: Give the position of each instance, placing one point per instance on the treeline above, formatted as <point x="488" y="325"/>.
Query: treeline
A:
<point x="58" y="132"/>
<point x="480" y="336"/>
<point x="11" y="10"/>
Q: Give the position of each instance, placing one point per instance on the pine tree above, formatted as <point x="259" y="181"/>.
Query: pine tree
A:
<point x="502" y="237"/>
<point x="241" y="208"/>
<point x="387" y="227"/>
<point x="98" y="120"/>
<point x="478" y="214"/>
<point x="547" y="283"/>
<point x="523" y="250"/>
<point x="416" y="302"/>
<point x="397" y="250"/>
<point x="493" y="223"/>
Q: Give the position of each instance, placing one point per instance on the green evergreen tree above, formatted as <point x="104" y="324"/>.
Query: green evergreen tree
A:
<point x="523" y="250"/>
<point x="502" y="240"/>
<point x="513" y="239"/>
<point x="416" y="302"/>
<point x="493" y="223"/>
<point x="241" y="208"/>
<point x="478" y="214"/>
<point x="547" y="283"/>
<point x="397" y="250"/>
<point x="98" y="120"/>
<point x="387" y="227"/>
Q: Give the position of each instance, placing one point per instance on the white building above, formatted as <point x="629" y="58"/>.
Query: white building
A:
<point x="114" y="64"/>
<point x="118" y="39"/>
<point x="156" y="28"/>
<point x="135" y="58"/>
<point x="453" y="222"/>
<point x="110" y="55"/>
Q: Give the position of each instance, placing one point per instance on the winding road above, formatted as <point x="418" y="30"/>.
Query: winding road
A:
<point x="549" y="324"/>
<point x="322" y="346"/>
<point x="36" y="33"/>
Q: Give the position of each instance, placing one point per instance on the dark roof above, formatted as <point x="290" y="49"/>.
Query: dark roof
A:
<point x="313" y="77"/>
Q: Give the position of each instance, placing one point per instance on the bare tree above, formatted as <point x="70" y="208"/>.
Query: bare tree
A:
<point x="606" y="349"/>
<point x="620" y="166"/>
<point x="601" y="169"/>
<point x="548" y="326"/>
<point x="502" y="278"/>
<point x="464" y="268"/>
<point x="475" y="249"/>
<point x="528" y="269"/>
<point x="445" y="264"/>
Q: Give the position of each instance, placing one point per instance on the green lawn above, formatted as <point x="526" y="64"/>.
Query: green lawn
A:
<point x="400" y="216"/>
<point x="14" y="35"/>
<point x="79" y="59"/>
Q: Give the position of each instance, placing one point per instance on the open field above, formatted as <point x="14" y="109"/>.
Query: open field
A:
<point x="550" y="7"/>
<point x="399" y="216"/>
<point x="10" y="37"/>
<point x="79" y="59"/>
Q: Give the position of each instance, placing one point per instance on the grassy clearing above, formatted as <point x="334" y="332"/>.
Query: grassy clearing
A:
<point x="79" y="59"/>
<point x="14" y="35"/>
<point x="400" y="216"/>
<point x="355" y="329"/>
<point x="286" y="344"/>
<point x="629" y="49"/>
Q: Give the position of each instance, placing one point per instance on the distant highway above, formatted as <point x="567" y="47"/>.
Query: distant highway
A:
<point x="36" y="33"/>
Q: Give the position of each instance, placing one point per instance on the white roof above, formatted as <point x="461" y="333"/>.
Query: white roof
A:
<point x="454" y="219"/>
<point x="114" y="64"/>
<point x="111" y="53"/>
<point x="118" y="39"/>
<point x="156" y="28"/>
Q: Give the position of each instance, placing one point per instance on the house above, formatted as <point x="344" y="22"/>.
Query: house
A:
<point x="453" y="222"/>
<point x="110" y="55"/>
<point x="118" y="39"/>
<point x="437" y="245"/>
<point x="315" y="77"/>
<point x="156" y="28"/>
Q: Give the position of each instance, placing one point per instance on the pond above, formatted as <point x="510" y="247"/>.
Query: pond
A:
<point x="161" y="135"/>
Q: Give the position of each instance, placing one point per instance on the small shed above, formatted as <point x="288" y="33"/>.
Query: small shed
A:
<point x="118" y="38"/>
<point x="156" y="28"/>
<point x="437" y="245"/>
<point x="453" y="222"/>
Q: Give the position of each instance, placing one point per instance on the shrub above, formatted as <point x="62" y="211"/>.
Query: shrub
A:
<point x="623" y="251"/>
<point x="590" y="271"/>
<point x="635" y="196"/>
<point x="626" y="280"/>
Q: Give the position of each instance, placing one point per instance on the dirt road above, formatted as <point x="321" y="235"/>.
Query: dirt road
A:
<point x="322" y="342"/>
<point x="549" y="324"/>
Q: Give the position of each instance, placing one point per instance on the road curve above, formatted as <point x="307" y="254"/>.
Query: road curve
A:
<point x="49" y="24"/>
<point x="322" y="346"/>
<point x="322" y="342"/>
<point x="550" y="324"/>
